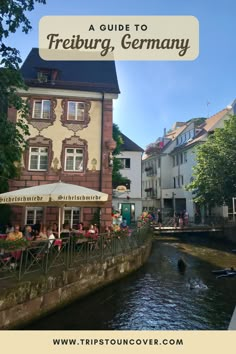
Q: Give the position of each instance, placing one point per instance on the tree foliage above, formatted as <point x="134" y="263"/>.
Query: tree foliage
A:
<point x="117" y="178"/>
<point x="215" y="172"/>
<point x="12" y="142"/>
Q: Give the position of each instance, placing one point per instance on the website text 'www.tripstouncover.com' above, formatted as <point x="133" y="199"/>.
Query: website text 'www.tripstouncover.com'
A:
<point x="116" y="341"/>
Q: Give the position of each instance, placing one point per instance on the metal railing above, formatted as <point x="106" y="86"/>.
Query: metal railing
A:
<point x="42" y="256"/>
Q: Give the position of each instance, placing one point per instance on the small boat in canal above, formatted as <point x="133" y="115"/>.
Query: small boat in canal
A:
<point x="227" y="272"/>
<point x="224" y="271"/>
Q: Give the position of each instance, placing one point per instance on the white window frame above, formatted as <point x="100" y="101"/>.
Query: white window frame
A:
<point x="74" y="154"/>
<point x="35" y="210"/>
<point x="39" y="154"/>
<point x="76" y="103"/>
<point x="123" y="162"/>
<point x="41" y="113"/>
<point x="72" y="210"/>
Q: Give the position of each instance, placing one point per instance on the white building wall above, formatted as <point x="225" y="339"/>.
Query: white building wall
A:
<point x="134" y="173"/>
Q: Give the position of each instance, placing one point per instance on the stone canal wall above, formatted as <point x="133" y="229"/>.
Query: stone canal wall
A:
<point x="28" y="300"/>
<point x="229" y="233"/>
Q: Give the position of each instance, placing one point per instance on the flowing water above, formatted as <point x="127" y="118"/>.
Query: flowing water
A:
<point x="158" y="296"/>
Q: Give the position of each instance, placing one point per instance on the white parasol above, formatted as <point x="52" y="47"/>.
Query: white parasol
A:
<point x="55" y="194"/>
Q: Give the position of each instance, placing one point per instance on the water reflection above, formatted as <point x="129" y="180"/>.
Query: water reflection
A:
<point x="158" y="296"/>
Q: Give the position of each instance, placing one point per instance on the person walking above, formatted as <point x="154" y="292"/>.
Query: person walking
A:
<point x="159" y="218"/>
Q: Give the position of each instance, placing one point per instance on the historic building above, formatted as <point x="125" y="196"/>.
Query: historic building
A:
<point x="70" y="125"/>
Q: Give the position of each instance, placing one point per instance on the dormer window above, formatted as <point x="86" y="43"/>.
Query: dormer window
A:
<point x="42" y="77"/>
<point x="47" y="75"/>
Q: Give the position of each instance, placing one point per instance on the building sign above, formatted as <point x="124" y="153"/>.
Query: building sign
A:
<point x="21" y="199"/>
<point x="79" y="198"/>
<point x="121" y="189"/>
<point x="50" y="199"/>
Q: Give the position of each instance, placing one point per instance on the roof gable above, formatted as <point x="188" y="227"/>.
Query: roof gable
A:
<point x="129" y="145"/>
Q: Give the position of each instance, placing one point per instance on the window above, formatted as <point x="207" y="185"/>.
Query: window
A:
<point x="174" y="182"/>
<point x="181" y="157"/>
<point x="191" y="133"/>
<point x="38" y="158"/>
<point x="173" y="161"/>
<point x="177" y="159"/>
<point x="185" y="157"/>
<point x="72" y="216"/>
<point x="125" y="163"/>
<point x="42" y="76"/>
<point x="74" y="159"/>
<point x="41" y="109"/>
<point x="76" y="111"/>
<point x="33" y="216"/>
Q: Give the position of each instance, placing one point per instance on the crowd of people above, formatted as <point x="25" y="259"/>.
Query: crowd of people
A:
<point x="41" y="231"/>
<point x="180" y="219"/>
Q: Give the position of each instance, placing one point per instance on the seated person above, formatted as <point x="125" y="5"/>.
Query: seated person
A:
<point x="50" y="237"/>
<point x="65" y="232"/>
<point x="123" y="225"/>
<point x="36" y="228"/>
<point x="43" y="233"/>
<point x="55" y="229"/>
<point x="15" y="235"/>
<point x="9" y="228"/>
<point x="81" y="227"/>
<point x="80" y="231"/>
<point x="28" y="233"/>
<point x="96" y="229"/>
<point x="92" y="232"/>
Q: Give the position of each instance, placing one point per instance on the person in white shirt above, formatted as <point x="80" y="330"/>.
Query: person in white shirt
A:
<point x="50" y="236"/>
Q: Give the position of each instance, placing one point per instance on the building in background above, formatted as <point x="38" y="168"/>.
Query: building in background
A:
<point x="167" y="170"/>
<point x="156" y="169"/>
<point x="70" y="125"/>
<point x="128" y="200"/>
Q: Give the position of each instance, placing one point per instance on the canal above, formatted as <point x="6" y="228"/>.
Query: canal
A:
<point x="158" y="296"/>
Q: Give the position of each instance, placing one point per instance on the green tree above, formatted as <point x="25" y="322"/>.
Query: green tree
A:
<point x="12" y="135"/>
<point x="117" y="178"/>
<point x="214" y="180"/>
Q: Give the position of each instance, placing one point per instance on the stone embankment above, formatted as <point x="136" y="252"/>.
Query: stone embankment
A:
<point x="32" y="298"/>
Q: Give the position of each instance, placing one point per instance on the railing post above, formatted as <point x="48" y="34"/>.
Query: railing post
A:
<point x="20" y="265"/>
<point x="46" y="258"/>
<point x="102" y="247"/>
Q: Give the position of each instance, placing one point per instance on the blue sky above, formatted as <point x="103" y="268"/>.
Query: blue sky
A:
<point x="155" y="94"/>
